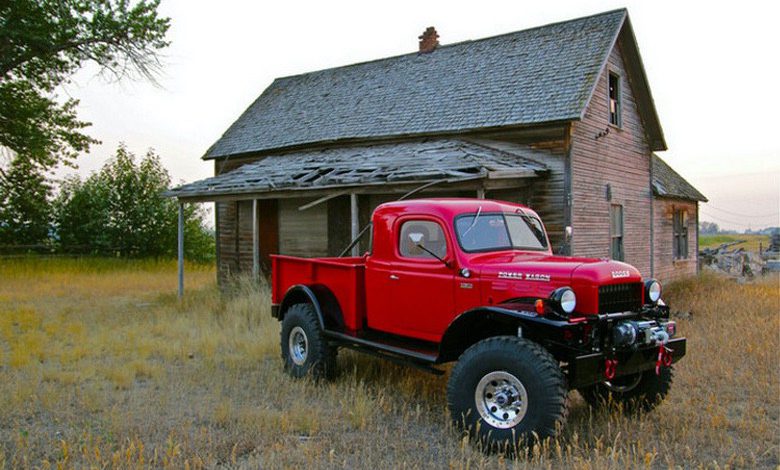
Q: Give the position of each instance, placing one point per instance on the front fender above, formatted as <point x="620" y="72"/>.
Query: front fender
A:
<point x="477" y="324"/>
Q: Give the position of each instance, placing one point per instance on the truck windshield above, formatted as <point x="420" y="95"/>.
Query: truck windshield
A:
<point x="498" y="231"/>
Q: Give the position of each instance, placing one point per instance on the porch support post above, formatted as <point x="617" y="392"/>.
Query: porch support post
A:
<point x="255" y="242"/>
<point x="481" y="193"/>
<point x="181" y="250"/>
<point x="355" y="225"/>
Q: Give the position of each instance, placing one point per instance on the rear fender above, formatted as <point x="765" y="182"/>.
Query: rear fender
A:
<point x="321" y="298"/>
<point x="484" y="322"/>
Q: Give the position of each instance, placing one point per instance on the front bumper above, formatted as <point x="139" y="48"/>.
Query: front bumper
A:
<point x="590" y="369"/>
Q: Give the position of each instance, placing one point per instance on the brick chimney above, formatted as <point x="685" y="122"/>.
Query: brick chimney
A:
<point x="429" y="40"/>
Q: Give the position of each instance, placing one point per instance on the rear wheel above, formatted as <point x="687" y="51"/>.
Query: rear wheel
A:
<point x="637" y="392"/>
<point x="305" y="350"/>
<point x="505" y="391"/>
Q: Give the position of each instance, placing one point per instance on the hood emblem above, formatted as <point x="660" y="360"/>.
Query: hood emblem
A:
<point x="620" y="274"/>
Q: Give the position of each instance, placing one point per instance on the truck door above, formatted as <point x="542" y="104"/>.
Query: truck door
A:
<point x="421" y="294"/>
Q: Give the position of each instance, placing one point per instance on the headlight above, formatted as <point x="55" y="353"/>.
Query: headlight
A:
<point x="652" y="290"/>
<point x="564" y="299"/>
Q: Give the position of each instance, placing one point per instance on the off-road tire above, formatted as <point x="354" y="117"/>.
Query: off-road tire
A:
<point x="318" y="358"/>
<point x="648" y="393"/>
<point x="540" y="377"/>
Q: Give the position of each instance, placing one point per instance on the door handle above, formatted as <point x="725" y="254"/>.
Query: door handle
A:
<point x="393" y="277"/>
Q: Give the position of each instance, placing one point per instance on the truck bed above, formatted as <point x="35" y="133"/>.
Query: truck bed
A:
<point x="345" y="277"/>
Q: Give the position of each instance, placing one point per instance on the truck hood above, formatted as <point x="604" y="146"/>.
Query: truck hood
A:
<point x="557" y="268"/>
<point x="507" y="275"/>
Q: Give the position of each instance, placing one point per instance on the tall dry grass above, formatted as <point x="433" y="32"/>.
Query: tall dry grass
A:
<point x="101" y="366"/>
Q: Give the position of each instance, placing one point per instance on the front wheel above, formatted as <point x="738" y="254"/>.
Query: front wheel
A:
<point x="505" y="391"/>
<point x="632" y="393"/>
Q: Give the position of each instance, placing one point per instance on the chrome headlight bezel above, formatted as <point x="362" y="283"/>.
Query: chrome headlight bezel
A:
<point x="564" y="300"/>
<point x="652" y="291"/>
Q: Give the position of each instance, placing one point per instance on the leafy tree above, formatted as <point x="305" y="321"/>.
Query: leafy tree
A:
<point x="708" y="227"/>
<point x="121" y="210"/>
<point x="43" y="43"/>
<point x="25" y="215"/>
<point x="80" y="215"/>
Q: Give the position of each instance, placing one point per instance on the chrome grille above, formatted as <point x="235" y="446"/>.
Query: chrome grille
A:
<point x="620" y="297"/>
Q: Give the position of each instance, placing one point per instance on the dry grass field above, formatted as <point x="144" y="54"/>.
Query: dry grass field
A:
<point x="102" y="367"/>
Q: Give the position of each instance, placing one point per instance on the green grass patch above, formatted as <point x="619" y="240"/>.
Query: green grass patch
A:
<point x="750" y="242"/>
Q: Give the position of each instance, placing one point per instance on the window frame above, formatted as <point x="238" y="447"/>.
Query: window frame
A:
<point x="618" y="99"/>
<point x="509" y="248"/>
<point x="421" y="259"/>
<point x="680" y="233"/>
<point x="613" y="235"/>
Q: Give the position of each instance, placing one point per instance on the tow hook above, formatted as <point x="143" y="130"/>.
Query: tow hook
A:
<point x="664" y="358"/>
<point x="610" y="367"/>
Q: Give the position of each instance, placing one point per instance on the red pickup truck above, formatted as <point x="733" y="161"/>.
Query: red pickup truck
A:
<point x="475" y="281"/>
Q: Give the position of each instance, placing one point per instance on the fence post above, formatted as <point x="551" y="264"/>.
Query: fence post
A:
<point x="181" y="250"/>
<point x="355" y="222"/>
<point x="255" y="243"/>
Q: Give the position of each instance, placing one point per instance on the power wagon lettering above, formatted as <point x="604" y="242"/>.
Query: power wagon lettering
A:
<point x="527" y="276"/>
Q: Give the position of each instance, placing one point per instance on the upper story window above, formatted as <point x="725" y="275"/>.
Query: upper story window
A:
<point x="616" y="232"/>
<point x="431" y="237"/>
<point x="614" y="100"/>
<point x="680" y="230"/>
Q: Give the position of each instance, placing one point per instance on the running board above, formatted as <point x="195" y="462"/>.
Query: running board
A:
<point x="406" y="354"/>
<point x="394" y="358"/>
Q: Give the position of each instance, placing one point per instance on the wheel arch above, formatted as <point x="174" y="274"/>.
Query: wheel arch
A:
<point x="322" y="299"/>
<point x="480" y="323"/>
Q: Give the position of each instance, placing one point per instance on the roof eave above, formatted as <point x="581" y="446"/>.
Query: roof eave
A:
<point x="393" y="137"/>
<point x="636" y="70"/>
<point x="644" y="95"/>
<point x="680" y="197"/>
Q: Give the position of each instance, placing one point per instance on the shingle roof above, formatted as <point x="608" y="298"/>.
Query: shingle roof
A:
<point x="418" y="161"/>
<point x="669" y="183"/>
<point x="540" y="75"/>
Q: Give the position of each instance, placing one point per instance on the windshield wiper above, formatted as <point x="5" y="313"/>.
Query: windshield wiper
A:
<point x="473" y="223"/>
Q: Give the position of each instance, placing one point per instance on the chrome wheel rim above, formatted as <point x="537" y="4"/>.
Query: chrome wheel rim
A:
<point x="501" y="399"/>
<point x="628" y="386"/>
<point x="299" y="346"/>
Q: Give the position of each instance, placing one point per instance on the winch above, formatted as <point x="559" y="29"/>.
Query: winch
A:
<point x="636" y="334"/>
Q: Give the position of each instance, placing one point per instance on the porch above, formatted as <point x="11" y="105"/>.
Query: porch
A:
<point x="314" y="202"/>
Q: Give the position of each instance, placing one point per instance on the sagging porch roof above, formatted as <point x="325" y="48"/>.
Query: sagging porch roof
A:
<point x="398" y="163"/>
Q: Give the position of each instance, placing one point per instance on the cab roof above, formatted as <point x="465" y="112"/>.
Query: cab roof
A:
<point x="448" y="208"/>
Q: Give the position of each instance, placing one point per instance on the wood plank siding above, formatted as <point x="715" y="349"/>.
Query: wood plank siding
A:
<point x="303" y="233"/>
<point x="602" y="155"/>
<point x="545" y="195"/>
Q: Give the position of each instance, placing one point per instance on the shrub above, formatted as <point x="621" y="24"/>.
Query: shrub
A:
<point x="120" y="210"/>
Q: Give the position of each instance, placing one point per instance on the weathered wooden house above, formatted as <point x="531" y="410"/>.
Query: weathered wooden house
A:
<point x="558" y="117"/>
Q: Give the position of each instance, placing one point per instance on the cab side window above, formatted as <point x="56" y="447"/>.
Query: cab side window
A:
<point x="429" y="233"/>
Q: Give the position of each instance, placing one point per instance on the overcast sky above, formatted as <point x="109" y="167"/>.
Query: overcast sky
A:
<point x="713" y="70"/>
